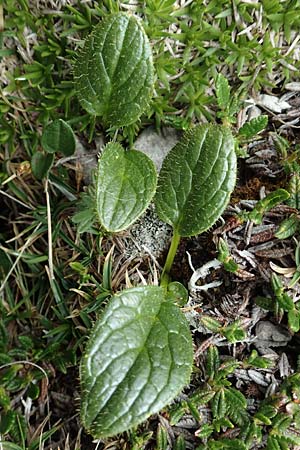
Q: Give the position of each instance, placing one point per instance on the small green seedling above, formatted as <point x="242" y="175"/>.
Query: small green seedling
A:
<point x="233" y="332"/>
<point x="262" y="206"/>
<point x="139" y="355"/>
<point x="255" y="126"/>
<point x="267" y="203"/>
<point x="288" y="227"/>
<point x="229" y="105"/>
<point x="282" y="302"/>
<point x="58" y="136"/>
<point x="296" y="276"/>
<point x="225" y="257"/>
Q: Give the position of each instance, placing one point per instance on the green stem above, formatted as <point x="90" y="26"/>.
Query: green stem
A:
<point x="165" y="278"/>
<point x="92" y="128"/>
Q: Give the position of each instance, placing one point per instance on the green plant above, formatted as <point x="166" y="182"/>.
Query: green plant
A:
<point x="118" y="85"/>
<point x="139" y="354"/>
<point x="262" y="206"/>
<point x="143" y="325"/>
<point x="290" y="163"/>
<point x="283" y="301"/>
<point x="277" y="416"/>
<point x="254" y="45"/>
<point x="57" y="136"/>
<point x="225" y="257"/>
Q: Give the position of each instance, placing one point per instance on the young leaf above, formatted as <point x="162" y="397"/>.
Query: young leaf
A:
<point x="138" y="358"/>
<point x="114" y="74"/>
<point x="180" y="443"/>
<point x="250" y="129"/>
<point x="228" y="444"/>
<point x="218" y="404"/>
<point x="205" y="431"/>
<point x="212" y="361"/>
<point x="178" y="293"/>
<point x="267" y="203"/>
<point x="161" y="438"/>
<point x="202" y="397"/>
<point x="294" y="320"/>
<point x="285" y="302"/>
<point x="294" y="190"/>
<point x="235" y="398"/>
<point x="272" y="443"/>
<point x="210" y="323"/>
<point x="58" y="136"/>
<point x="7" y="421"/>
<point x="4" y="399"/>
<point x="196" y="179"/>
<point x="234" y="332"/>
<point x="41" y="163"/>
<point x="222" y="91"/>
<point x="125" y="184"/>
<point x="288" y="227"/>
<point x="176" y="413"/>
<point x="225" y="369"/>
<point x="281" y="422"/>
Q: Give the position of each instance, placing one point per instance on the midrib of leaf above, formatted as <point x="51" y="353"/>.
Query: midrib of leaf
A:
<point x="104" y="69"/>
<point x="112" y="79"/>
<point x="158" y="393"/>
<point x="119" y="194"/>
<point x="146" y="383"/>
<point x="135" y="67"/>
<point x="137" y="56"/>
<point x="137" y="93"/>
<point x="118" y="49"/>
<point x="99" y="52"/>
<point x="194" y="175"/>
<point x="117" y="59"/>
<point x="141" y="349"/>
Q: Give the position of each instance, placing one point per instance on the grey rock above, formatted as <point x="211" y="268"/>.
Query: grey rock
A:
<point x="269" y="335"/>
<point x="157" y="145"/>
<point x="148" y="236"/>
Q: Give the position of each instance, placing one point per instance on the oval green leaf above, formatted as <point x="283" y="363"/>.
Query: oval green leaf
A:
<point x="58" y="136"/>
<point x="196" y="179"/>
<point x="114" y="73"/>
<point x="41" y="163"/>
<point x="138" y="358"/>
<point x="177" y="293"/>
<point x="250" y="129"/>
<point x="125" y="184"/>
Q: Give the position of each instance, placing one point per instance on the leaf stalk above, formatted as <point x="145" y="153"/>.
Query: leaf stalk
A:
<point x="165" y="277"/>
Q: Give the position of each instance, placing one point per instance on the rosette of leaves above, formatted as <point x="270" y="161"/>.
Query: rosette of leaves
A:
<point x="114" y="73"/>
<point x="139" y="355"/>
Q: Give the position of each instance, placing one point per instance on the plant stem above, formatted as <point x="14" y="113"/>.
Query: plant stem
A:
<point x="164" y="281"/>
<point x="92" y="128"/>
